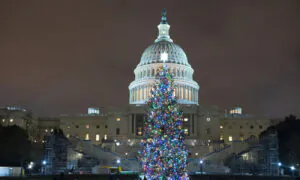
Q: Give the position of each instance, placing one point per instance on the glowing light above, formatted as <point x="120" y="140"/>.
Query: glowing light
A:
<point x="118" y="161"/>
<point x="201" y="161"/>
<point x="292" y="168"/>
<point x="185" y="119"/>
<point x="164" y="56"/>
<point x="279" y="164"/>
<point x="97" y="137"/>
<point x="117" y="143"/>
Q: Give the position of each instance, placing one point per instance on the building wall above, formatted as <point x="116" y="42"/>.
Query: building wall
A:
<point x="242" y="128"/>
<point x="87" y="127"/>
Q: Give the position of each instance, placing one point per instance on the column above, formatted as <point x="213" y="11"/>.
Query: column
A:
<point x="130" y="95"/>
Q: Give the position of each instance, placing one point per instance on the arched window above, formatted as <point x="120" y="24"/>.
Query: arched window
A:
<point x="152" y="74"/>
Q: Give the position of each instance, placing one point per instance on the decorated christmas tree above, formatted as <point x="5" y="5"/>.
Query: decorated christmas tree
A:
<point x="163" y="154"/>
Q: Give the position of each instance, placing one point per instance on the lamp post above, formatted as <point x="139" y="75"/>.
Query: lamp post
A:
<point x="118" y="163"/>
<point x="44" y="163"/>
<point x="201" y="166"/>
<point x="293" y="169"/>
<point x="279" y="168"/>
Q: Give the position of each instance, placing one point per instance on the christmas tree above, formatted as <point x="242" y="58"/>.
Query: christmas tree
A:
<point x="163" y="154"/>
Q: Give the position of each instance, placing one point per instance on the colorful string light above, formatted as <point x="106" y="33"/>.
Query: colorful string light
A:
<point x="163" y="154"/>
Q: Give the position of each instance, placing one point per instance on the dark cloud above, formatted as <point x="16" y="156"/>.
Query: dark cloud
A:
<point x="63" y="56"/>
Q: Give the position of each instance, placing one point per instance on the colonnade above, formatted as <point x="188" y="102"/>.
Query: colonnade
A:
<point x="151" y="72"/>
<point x="182" y="92"/>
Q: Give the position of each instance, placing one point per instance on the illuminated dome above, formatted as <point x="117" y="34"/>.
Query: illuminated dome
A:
<point x="175" y="53"/>
<point x="164" y="51"/>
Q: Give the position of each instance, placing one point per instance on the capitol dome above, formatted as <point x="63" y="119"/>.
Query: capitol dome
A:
<point x="164" y="51"/>
<point x="175" y="53"/>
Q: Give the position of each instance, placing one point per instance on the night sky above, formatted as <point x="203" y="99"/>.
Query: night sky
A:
<point x="63" y="56"/>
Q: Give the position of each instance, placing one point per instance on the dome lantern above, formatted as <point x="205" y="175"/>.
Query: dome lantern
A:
<point x="163" y="29"/>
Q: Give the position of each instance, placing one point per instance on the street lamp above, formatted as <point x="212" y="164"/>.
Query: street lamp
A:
<point x="279" y="165"/>
<point x="293" y="169"/>
<point x="201" y="166"/>
<point x="44" y="163"/>
<point x="118" y="163"/>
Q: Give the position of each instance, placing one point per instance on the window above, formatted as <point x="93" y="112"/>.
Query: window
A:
<point x="229" y="127"/>
<point x="118" y="119"/>
<point x="117" y="131"/>
<point x="186" y="131"/>
<point x="87" y="136"/>
<point x="98" y="126"/>
<point x="241" y="136"/>
<point x="208" y="131"/>
<point x="230" y="138"/>
<point x="105" y="136"/>
<point x="241" y="127"/>
<point x="251" y="127"/>
<point x="221" y="137"/>
<point x="106" y="126"/>
<point x="87" y="126"/>
<point x="140" y="131"/>
<point x="97" y="137"/>
<point x="260" y="127"/>
<point x="68" y="135"/>
<point x="77" y="126"/>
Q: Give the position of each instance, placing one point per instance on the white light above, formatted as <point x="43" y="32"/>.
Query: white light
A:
<point x="196" y="154"/>
<point x="279" y="164"/>
<point x="44" y="162"/>
<point x="128" y="140"/>
<point x="164" y="56"/>
<point x="118" y="161"/>
<point x="208" y="119"/>
<point x="201" y="162"/>
<point x="292" y="168"/>
<point x="117" y="143"/>
<point x="185" y="119"/>
<point x="11" y="120"/>
<point x="126" y="153"/>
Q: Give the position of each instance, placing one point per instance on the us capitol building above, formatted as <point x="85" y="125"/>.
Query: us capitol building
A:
<point x="212" y="134"/>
